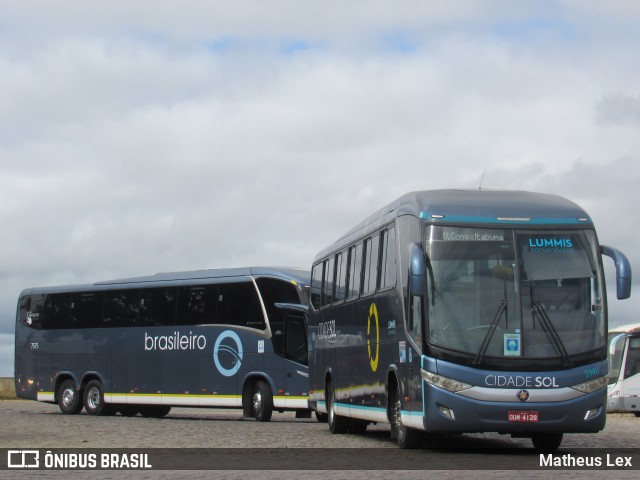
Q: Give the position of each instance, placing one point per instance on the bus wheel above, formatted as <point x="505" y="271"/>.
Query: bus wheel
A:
<point x="262" y="401"/>
<point x="546" y="441"/>
<point x="405" y="436"/>
<point x="637" y="414"/>
<point x="94" y="402"/>
<point x="69" y="398"/>
<point x="337" y="424"/>
<point x="154" y="411"/>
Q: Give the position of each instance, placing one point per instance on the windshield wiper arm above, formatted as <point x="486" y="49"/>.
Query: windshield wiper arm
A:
<point x="552" y="333"/>
<point x="502" y="308"/>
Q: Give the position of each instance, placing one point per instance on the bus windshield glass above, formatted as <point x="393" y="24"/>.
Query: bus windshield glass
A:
<point x="514" y="294"/>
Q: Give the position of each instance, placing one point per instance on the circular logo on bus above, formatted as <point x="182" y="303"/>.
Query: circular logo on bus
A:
<point x="227" y="353"/>
<point x="523" y="395"/>
<point x="373" y="315"/>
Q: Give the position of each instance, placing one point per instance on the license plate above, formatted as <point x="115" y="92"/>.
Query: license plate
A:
<point x="523" y="416"/>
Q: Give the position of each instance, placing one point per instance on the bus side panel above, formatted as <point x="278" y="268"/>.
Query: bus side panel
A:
<point x="144" y="378"/>
<point x="179" y="378"/>
<point x="26" y="378"/>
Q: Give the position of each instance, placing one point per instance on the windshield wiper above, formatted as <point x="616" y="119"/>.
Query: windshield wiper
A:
<point x="502" y="309"/>
<point x="537" y="309"/>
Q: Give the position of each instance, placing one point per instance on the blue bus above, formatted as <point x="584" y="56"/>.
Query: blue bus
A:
<point x="233" y="338"/>
<point x="455" y="311"/>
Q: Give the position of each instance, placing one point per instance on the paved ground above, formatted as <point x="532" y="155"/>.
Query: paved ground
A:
<point x="33" y="425"/>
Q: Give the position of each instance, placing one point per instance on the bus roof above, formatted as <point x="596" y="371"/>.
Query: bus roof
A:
<point x="299" y="276"/>
<point x="627" y="328"/>
<point x="498" y="207"/>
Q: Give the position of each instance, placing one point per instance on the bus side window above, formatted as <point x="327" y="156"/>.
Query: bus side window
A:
<point x="372" y="249"/>
<point x="329" y="282"/>
<point x="238" y="304"/>
<point x="388" y="263"/>
<point x="296" y="347"/>
<point x="32" y="311"/>
<point x="198" y="305"/>
<point x="415" y="318"/>
<point x="158" y="306"/>
<point x="121" y="308"/>
<point x="341" y="276"/>
<point x="85" y="310"/>
<point x="316" y="285"/>
<point x="632" y="367"/>
<point x="354" y="274"/>
<point x="56" y="311"/>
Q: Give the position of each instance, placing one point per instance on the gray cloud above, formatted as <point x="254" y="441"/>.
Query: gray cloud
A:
<point x="618" y="109"/>
<point x="150" y="137"/>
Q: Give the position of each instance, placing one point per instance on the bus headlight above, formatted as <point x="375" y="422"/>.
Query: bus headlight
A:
<point x="443" y="382"/>
<point x="614" y="394"/>
<point x="592" y="385"/>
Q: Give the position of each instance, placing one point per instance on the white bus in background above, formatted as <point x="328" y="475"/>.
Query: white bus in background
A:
<point x="624" y="369"/>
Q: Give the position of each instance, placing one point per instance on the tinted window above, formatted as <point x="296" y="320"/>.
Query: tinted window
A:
<point x="316" y="285"/>
<point x="353" y="274"/>
<point x="56" y="311"/>
<point x="238" y="304"/>
<point x="296" y="348"/>
<point x="32" y="311"/>
<point x="198" y="305"/>
<point x="85" y="310"/>
<point x="388" y="273"/>
<point x="121" y="308"/>
<point x="341" y="277"/>
<point x="372" y="247"/>
<point x="158" y="306"/>
<point x="327" y="299"/>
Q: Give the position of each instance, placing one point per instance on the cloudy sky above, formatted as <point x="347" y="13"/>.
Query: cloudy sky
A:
<point x="145" y="136"/>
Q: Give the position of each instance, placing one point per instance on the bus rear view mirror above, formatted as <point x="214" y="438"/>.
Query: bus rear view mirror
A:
<point x="613" y="346"/>
<point x="623" y="271"/>
<point x="417" y="271"/>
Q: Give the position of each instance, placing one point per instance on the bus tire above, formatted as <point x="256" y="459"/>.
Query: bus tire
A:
<point x="546" y="441"/>
<point x="154" y="411"/>
<point x="337" y="424"/>
<point x="637" y="414"/>
<point x="406" y="437"/>
<point x="94" y="402"/>
<point x="261" y="401"/>
<point x="69" y="399"/>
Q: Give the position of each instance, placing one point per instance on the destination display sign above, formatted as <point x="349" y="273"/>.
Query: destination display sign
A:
<point x="453" y="234"/>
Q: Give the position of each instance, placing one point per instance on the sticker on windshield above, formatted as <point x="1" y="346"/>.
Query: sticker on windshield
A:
<point x="512" y="344"/>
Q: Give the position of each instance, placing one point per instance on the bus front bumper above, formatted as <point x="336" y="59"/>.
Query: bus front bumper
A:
<point x="452" y="412"/>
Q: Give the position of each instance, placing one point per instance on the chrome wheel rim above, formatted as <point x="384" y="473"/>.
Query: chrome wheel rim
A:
<point x="257" y="402"/>
<point x="93" y="398"/>
<point x="68" y="397"/>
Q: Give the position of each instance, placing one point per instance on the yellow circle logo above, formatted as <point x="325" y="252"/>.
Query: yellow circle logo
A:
<point x="373" y="314"/>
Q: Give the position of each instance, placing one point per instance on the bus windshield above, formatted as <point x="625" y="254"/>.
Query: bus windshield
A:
<point x="514" y="294"/>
